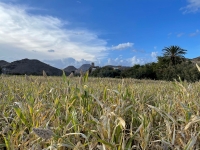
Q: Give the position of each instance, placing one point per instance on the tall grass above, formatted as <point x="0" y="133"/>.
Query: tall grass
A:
<point x="94" y="113"/>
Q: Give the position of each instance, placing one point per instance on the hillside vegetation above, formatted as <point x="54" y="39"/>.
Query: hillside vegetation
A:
<point x="95" y="113"/>
<point x="168" y="67"/>
<point x="186" y="70"/>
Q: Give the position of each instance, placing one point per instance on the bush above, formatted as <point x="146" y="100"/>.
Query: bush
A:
<point x="106" y="71"/>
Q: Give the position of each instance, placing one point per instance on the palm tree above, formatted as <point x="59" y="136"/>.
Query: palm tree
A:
<point x="174" y="53"/>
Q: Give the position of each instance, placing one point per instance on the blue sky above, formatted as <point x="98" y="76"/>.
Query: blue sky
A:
<point x="107" y="32"/>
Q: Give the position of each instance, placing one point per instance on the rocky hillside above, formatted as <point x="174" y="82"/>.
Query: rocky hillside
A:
<point x="196" y="60"/>
<point x="30" y="67"/>
<point x="83" y="68"/>
<point x="3" y="63"/>
<point x="70" y="69"/>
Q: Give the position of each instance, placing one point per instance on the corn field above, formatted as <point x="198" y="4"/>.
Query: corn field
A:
<point x="81" y="113"/>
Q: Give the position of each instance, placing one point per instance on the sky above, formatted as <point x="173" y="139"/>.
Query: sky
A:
<point x="106" y="32"/>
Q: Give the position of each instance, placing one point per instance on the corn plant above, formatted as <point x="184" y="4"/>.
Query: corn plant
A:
<point x="98" y="113"/>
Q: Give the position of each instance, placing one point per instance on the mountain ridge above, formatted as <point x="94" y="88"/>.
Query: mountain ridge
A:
<point x="35" y="67"/>
<point x="29" y="67"/>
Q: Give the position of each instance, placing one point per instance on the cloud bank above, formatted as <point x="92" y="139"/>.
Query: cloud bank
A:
<point x="63" y="63"/>
<point x="119" y="61"/>
<point x="122" y="46"/>
<point x="125" y="62"/>
<point x="52" y="40"/>
<point x="194" y="33"/>
<point x="192" y="7"/>
<point x="48" y="37"/>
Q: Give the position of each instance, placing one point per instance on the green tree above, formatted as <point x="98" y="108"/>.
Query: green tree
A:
<point x="106" y="71"/>
<point x="174" y="53"/>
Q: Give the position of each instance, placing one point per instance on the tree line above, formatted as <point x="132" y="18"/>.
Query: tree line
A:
<point x="172" y="65"/>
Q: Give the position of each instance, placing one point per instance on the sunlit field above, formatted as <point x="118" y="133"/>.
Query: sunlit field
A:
<point x="82" y="113"/>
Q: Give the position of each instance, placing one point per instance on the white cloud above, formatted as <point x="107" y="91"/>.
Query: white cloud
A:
<point x="122" y="46"/>
<point x="193" y="6"/>
<point x="125" y="62"/>
<point x="195" y="33"/>
<point x="154" y="54"/>
<point x="22" y="32"/>
<point x="180" y="34"/>
<point x="134" y="60"/>
<point x="65" y="62"/>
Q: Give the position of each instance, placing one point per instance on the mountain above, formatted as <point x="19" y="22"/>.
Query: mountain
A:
<point x="30" y="67"/>
<point x="70" y="69"/>
<point x="196" y="60"/>
<point x="3" y="63"/>
<point x="84" y="68"/>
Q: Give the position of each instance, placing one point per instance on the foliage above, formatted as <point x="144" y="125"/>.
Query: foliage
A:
<point x="169" y="67"/>
<point x="98" y="113"/>
<point x="106" y="71"/>
<point x="174" y="53"/>
<point x="155" y="71"/>
<point x="186" y="71"/>
<point x="141" y="72"/>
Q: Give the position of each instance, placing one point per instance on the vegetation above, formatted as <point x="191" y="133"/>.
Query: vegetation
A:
<point x="174" y="53"/>
<point x="106" y="71"/>
<point x="98" y="113"/>
<point x="82" y="113"/>
<point x="170" y="66"/>
<point x="155" y="71"/>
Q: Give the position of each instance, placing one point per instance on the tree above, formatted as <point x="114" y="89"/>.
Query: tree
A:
<point x="174" y="53"/>
<point x="106" y="71"/>
<point x="163" y="62"/>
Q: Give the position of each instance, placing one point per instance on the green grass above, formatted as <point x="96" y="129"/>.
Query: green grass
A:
<point x="95" y="113"/>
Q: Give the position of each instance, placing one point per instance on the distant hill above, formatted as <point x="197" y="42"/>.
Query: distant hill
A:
<point x="30" y="67"/>
<point x="196" y="60"/>
<point x="84" y="68"/>
<point x="35" y="67"/>
<point x="70" y="69"/>
<point x="3" y="63"/>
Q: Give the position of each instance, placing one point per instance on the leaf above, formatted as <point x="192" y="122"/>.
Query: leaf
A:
<point x="116" y="91"/>
<point x="122" y="122"/>
<point x="193" y="120"/>
<point x="85" y="78"/>
<point x="65" y="145"/>
<point x="56" y="102"/>
<point x="106" y="143"/>
<point x="20" y="115"/>
<point x="100" y="103"/>
<point x="7" y="143"/>
<point x="105" y="93"/>
<point x="198" y="67"/>
<point x="64" y="76"/>
<point x="71" y="75"/>
<point x="191" y="142"/>
<point x="83" y="135"/>
<point x="44" y="74"/>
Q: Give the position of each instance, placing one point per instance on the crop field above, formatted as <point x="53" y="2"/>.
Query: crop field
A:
<point x="82" y="113"/>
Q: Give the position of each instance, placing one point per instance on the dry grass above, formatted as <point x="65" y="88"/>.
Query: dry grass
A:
<point x="105" y="114"/>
